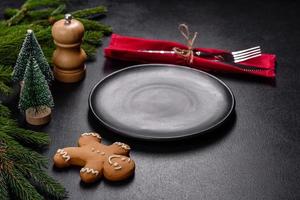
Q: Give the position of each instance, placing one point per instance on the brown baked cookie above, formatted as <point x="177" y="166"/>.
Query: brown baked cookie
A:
<point x="111" y="161"/>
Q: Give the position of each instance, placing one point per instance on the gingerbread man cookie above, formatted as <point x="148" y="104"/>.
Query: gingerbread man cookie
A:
<point x="96" y="159"/>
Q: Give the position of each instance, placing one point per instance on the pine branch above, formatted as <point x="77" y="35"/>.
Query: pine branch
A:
<point x="89" y="50"/>
<point x="93" y="38"/>
<point x="59" y="10"/>
<point x="96" y="26"/>
<point x="3" y="187"/>
<point x="4" y="194"/>
<point x="5" y="79"/>
<point x="43" y="183"/>
<point x="28" y="137"/>
<point x="35" y="14"/>
<point x="89" y="25"/>
<point x="5" y="89"/>
<point x="39" y="14"/>
<point x="9" y="126"/>
<point x="90" y="12"/>
<point x="4" y="111"/>
<point x="10" y="12"/>
<point x="30" y="5"/>
<point x="17" y="17"/>
<point x="21" y="169"/>
<point x="34" y="4"/>
<point x="18" y="184"/>
<point x="15" y="151"/>
<point x="7" y="122"/>
<point x="5" y="73"/>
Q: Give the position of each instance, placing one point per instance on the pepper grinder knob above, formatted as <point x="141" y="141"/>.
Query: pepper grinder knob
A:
<point x="68" y="18"/>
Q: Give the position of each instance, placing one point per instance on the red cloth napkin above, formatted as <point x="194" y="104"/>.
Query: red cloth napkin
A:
<point x="128" y="49"/>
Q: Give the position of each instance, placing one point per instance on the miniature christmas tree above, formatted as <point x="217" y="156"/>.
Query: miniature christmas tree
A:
<point x="31" y="48"/>
<point x="35" y="99"/>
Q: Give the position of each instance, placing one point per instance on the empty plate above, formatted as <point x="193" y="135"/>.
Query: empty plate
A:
<point x="161" y="102"/>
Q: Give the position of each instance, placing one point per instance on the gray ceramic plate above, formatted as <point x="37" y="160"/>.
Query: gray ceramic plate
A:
<point x="161" y="102"/>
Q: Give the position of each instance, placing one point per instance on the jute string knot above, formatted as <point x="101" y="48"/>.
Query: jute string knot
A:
<point x="188" y="53"/>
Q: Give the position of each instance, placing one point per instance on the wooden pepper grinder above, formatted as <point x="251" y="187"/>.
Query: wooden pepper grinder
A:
<point x="68" y="58"/>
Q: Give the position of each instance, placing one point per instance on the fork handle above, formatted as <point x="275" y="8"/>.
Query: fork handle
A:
<point x="220" y="56"/>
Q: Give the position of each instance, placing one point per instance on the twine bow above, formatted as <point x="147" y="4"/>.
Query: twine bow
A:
<point x="188" y="54"/>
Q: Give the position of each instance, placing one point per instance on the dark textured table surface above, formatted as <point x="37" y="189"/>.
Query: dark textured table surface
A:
<point x="255" y="155"/>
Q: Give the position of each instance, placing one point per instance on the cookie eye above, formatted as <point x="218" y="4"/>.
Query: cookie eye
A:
<point x="116" y="165"/>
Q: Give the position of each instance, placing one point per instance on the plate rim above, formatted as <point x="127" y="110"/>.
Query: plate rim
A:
<point x="168" y="138"/>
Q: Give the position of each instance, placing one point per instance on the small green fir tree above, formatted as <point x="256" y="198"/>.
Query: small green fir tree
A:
<point x="31" y="48"/>
<point x="35" y="93"/>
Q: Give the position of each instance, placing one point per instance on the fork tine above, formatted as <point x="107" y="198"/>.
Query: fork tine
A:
<point x="247" y="53"/>
<point x="245" y="50"/>
<point x="247" y="58"/>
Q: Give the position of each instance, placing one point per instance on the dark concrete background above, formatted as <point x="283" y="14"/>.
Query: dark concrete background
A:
<point x="255" y="155"/>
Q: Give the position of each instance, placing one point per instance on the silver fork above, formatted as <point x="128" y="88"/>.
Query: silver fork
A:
<point x="234" y="56"/>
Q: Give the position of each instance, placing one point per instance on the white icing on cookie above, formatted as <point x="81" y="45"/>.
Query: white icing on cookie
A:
<point x="122" y="145"/>
<point x="124" y="159"/>
<point x="89" y="170"/>
<point x="117" y="168"/>
<point x="64" y="154"/>
<point x="92" y="134"/>
<point x="111" y="157"/>
<point x="116" y="165"/>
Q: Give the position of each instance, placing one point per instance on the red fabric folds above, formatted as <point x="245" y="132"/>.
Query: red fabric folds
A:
<point x="128" y="49"/>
